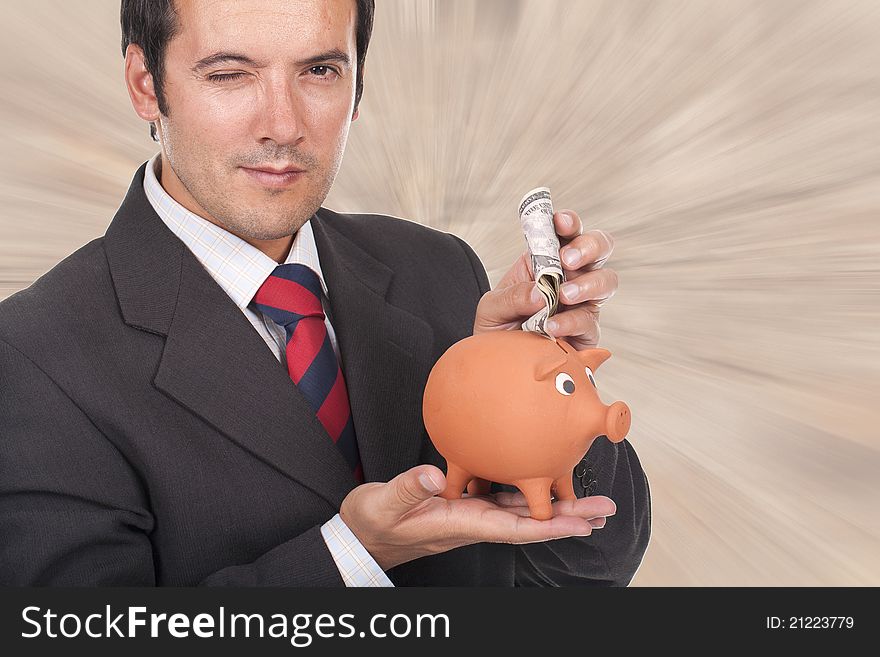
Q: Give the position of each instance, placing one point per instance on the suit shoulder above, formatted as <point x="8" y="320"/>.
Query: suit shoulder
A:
<point x="401" y="241"/>
<point x="68" y="290"/>
<point x="430" y="257"/>
<point x="369" y="226"/>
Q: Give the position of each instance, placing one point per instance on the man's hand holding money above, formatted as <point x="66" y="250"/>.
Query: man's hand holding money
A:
<point x="588" y="285"/>
<point x="404" y="519"/>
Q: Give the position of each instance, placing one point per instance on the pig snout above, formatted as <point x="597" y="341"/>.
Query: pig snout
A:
<point x="617" y="421"/>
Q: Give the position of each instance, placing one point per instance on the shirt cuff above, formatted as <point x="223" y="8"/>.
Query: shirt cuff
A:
<point x="355" y="564"/>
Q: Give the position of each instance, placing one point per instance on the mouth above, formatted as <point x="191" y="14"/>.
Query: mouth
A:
<point x="274" y="177"/>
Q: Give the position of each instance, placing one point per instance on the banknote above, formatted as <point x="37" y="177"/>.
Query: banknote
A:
<point x="536" y="218"/>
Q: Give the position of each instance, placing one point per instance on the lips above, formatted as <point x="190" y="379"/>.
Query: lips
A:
<point x="276" y="170"/>
<point x="275" y="177"/>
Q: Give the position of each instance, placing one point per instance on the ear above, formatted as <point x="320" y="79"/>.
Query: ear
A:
<point x="593" y="358"/>
<point x="358" y="109"/>
<point x="139" y="82"/>
<point x="546" y="366"/>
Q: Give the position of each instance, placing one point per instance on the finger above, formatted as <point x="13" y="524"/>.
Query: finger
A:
<point x="581" y="322"/>
<point x="529" y="530"/>
<point x="588" y="508"/>
<point x="599" y="505"/>
<point x="595" y="286"/>
<point x="567" y="224"/>
<point x="588" y="251"/>
<point x="502" y="526"/>
<point x="520" y="272"/>
<point x="411" y="488"/>
<point x="508" y="306"/>
<point x="523" y="512"/>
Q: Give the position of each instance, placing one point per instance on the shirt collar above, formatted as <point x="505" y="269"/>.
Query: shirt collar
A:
<point x="238" y="267"/>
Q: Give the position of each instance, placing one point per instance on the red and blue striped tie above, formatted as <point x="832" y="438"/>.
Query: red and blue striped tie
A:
<point x="291" y="297"/>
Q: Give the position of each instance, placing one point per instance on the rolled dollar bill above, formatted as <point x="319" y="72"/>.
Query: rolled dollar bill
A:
<point x="536" y="218"/>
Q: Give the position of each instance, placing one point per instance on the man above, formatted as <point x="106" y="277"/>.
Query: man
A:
<point x="196" y="397"/>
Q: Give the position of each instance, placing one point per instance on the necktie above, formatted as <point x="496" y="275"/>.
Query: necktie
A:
<point x="291" y="297"/>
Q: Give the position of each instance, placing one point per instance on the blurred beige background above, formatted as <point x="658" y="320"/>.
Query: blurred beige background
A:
<point x="731" y="148"/>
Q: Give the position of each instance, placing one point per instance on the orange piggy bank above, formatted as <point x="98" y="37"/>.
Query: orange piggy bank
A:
<point x="518" y="408"/>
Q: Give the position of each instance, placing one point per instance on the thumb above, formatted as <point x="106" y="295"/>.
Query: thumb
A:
<point x="511" y="304"/>
<point x="410" y="488"/>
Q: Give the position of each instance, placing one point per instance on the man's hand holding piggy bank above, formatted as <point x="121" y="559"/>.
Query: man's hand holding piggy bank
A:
<point x="405" y="518"/>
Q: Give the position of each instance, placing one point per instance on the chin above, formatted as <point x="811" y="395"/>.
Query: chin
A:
<point x="276" y="232"/>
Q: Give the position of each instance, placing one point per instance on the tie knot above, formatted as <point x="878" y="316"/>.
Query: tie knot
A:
<point x="290" y="293"/>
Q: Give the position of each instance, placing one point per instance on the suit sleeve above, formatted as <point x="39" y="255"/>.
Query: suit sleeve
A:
<point x="477" y="267"/>
<point x="609" y="556"/>
<point x="73" y="511"/>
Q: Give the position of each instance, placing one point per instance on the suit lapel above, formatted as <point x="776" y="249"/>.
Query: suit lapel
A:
<point x="386" y="351"/>
<point x="214" y="363"/>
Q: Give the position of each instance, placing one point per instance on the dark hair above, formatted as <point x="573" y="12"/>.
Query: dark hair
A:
<point x="151" y="24"/>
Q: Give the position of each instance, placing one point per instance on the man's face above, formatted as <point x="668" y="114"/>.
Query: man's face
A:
<point x="260" y="97"/>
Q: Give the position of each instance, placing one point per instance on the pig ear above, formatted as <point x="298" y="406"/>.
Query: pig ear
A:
<point x="593" y="358"/>
<point x="546" y="366"/>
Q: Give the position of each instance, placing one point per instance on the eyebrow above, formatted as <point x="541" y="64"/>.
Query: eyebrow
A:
<point x="223" y="57"/>
<point x="332" y="55"/>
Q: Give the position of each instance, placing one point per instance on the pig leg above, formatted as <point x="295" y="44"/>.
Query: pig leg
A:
<point x="537" y="494"/>
<point x="479" y="486"/>
<point x="564" y="488"/>
<point x="456" y="479"/>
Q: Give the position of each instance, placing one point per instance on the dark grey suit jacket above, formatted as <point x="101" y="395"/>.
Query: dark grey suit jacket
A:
<point x="149" y="437"/>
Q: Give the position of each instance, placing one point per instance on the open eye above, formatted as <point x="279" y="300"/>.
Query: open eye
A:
<point x="564" y="383"/>
<point x="590" y="376"/>
<point x="323" y="72"/>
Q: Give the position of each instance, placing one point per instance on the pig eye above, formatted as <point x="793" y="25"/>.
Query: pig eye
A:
<point x="564" y="383"/>
<point x="590" y="376"/>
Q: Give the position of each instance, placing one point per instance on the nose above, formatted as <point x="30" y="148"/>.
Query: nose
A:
<point x="617" y="421"/>
<point x="281" y="116"/>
